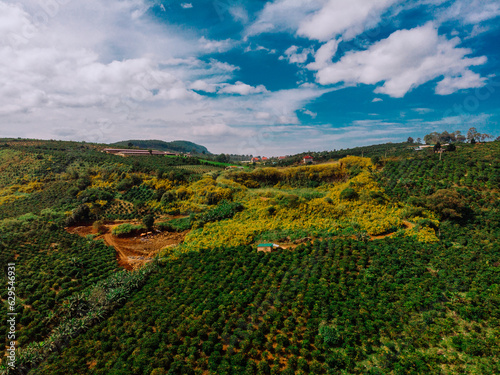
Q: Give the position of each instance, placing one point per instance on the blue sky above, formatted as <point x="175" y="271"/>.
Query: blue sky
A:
<point x="249" y="77"/>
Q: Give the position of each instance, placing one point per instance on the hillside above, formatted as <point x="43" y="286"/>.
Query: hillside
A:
<point x="174" y="146"/>
<point x="389" y="263"/>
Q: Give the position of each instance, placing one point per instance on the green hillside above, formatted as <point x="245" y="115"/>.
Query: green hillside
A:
<point x="174" y="146"/>
<point x="389" y="262"/>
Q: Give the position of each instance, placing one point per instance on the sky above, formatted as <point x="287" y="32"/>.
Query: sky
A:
<point x="249" y="77"/>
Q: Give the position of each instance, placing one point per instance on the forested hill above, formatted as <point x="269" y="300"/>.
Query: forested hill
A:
<point x="175" y="146"/>
<point x="389" y="263"/>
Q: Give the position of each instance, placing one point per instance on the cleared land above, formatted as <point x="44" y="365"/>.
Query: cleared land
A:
<point x="134" y="251"/>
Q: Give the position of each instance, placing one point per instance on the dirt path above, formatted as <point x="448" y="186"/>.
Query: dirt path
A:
<point x="132" y="252"/>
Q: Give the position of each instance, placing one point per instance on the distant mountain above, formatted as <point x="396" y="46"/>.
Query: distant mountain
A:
<point x="175" y="146"/>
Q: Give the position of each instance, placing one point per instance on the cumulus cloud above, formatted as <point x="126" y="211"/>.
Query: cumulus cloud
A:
<point x="282" y="15"/>
<point x="241" y="88"/>
<point x="51" y="69"/>
<point x="296" y="55"/>
<point x="320" y="19"/>
<point x="215" y="45"/>
<point x="186" y="5"/>
<point x="346" y="18"/>
<point x="405" y="60"/>
<point x="324" y="55"/>
<point x="466" y="80"/>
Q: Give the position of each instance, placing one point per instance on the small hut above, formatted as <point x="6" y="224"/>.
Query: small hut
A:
<point x="268" y="247"/>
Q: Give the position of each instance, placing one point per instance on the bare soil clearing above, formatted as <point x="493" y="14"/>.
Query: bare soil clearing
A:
<point x="132" y="252"/>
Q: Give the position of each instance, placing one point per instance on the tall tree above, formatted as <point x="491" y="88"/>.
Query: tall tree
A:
<point x="485" y="136"/>
<point x="431" y="138"/>
<point x="473" y="134"/>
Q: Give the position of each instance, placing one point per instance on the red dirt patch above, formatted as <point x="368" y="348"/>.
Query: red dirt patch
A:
<point x="132" y="252"/>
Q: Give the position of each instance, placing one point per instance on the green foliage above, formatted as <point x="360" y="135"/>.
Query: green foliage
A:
<point x="304" y="176"/>
<point x="447" y="203"/>
<point x="127" y="229"/>
<point x="91" y="195"/>
<point x="80" y="215"/>
<point x="177" y="225"/>
<point x="224" y="210"/>
<point x="81" y="312"/>
<point x="168" y="197"/>
<point x="148" y="221"/>
<point x="349" y="194"/>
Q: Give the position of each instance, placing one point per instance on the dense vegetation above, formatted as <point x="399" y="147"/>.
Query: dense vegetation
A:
<point x="390" y="262"/>
<point x="174" y="146"/>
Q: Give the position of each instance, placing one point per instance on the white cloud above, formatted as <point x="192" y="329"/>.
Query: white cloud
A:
<point x="241" y="88"/>
<point x="346" y="18"/>
<point x="324" y="55"/>
<point x="293" y="55"/>
<point x="466" y="80"/>
<point x="258" y="48"/>
<point x="186" y="5"/>
<point x="239" y="13"/>
<point x="375" y="100"/>
<point x="405" y="60"/>
<point x="201" y="85"/>
<point x="310" y="113"/>
<point x="282" y="15"/>
<point x="215" y="45"/>
<point x="470" y="12"/>
<point x="222" y="66"/>
<point x="320" y="19"/>
<point x="422" y="111"/>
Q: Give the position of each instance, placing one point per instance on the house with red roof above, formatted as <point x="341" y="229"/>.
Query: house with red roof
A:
<point x="308" y="159"/>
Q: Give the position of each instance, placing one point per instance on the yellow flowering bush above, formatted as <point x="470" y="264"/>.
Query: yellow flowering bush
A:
<point x="157" y="184"/>
<point x="427" y="235"/>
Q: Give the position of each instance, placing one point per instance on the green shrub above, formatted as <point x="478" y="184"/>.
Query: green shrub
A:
<point x="224" y="210"/>
<point x="99" y="227"/>
<point x="177" y="225"/>
<point x="127" y="229"/>
<point x="169" y="196"/>
<point x="148" y="221"/>
<point x="348" y="194"/>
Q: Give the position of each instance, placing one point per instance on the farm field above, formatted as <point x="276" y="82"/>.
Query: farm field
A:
<point x="149" y="265"/>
